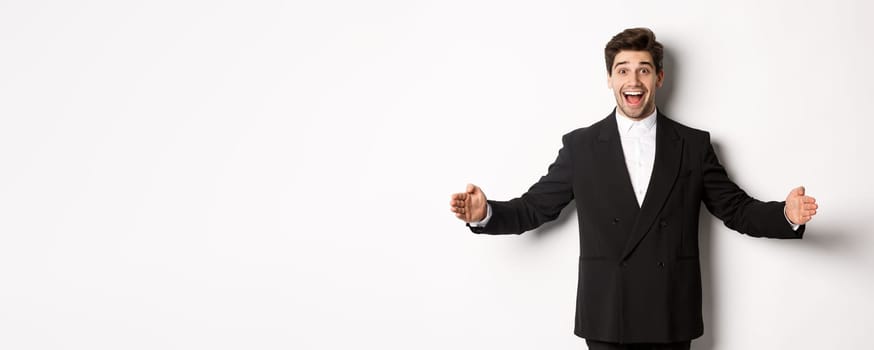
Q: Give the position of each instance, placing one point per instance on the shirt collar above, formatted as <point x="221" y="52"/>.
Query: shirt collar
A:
<point x="624" y="123"/>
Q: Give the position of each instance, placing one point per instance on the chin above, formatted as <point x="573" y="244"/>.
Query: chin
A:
<point x="638" y="112"/>
<point x="632" y="113"/>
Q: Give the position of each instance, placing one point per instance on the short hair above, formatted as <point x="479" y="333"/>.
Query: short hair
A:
<point x="634" y="39"/>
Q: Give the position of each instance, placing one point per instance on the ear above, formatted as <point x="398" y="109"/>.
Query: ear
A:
<point x="610" y="81"/>
<point x="661" y="78"/>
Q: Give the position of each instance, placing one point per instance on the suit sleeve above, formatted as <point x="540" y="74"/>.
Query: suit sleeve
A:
<point x="740" y="212"/>
<point x="542" y="202"/>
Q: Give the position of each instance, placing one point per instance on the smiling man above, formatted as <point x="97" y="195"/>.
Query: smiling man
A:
<point x="638" y="178"/>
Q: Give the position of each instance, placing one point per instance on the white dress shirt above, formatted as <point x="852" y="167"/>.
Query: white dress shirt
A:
<point x="638" y="145"/>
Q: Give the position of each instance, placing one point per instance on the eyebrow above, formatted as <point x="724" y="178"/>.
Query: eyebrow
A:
<point x="644" y="63"/>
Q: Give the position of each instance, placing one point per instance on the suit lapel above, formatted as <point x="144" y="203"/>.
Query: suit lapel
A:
<point x="669" y="148"/>
<point x="608" y="151"/>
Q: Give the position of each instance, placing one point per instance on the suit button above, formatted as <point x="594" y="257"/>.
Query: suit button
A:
<point x="663" y="223"/>
<point x="661" y="264"/>
<point x="623" y="264"/>
<point x="615" y="220"/>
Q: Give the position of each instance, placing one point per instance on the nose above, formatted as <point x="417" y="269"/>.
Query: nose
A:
<point x="635" y="78"/>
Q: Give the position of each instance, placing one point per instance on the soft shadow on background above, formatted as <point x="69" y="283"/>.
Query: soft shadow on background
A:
<point x="666" y="93"/>
<point x="833" y="240"/>
<point x="548" y="228"/>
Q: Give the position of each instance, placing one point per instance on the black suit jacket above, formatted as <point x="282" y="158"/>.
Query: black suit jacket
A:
<point x="639" y="272"/>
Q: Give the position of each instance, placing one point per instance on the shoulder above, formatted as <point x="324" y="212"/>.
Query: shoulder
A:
<point x="590" y="132"/>
<point x="685" y="132"/>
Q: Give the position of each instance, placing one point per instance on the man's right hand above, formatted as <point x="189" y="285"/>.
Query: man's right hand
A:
<point x="470" y="205"/>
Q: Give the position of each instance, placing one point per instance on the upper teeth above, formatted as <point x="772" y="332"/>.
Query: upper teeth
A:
<point x="633" y="93"/>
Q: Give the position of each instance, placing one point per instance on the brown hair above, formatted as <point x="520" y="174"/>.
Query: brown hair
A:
<point x="634" y="39"/>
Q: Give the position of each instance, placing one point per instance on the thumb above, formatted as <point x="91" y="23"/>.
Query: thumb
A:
<point x="798" y="191"/>
<point x="471" y="188"/>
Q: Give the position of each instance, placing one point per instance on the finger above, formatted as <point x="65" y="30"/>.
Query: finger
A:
<point x="459" y="196"/>
<point x="810" y="206"/>
<point x="808" y="199"/>
<point x="799" y="190"/>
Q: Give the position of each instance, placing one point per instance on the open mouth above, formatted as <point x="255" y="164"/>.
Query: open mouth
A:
<point x="633" y="97"/>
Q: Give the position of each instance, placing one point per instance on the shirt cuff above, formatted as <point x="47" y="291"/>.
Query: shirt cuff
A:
<point x="794" y="226"/>
<point x="484" y="221"/>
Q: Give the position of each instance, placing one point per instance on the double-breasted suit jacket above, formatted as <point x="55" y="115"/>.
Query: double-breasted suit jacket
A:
<point x="639" y="270"/>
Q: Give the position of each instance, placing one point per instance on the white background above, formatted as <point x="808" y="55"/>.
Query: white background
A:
<point x="276" y="175"/>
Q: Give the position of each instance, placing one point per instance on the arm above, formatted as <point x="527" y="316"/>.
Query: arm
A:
<point x="543" y="202"/>
<point x="740" y="212"/>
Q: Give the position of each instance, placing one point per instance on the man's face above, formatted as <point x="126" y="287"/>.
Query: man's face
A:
<point x="634" y="82"/>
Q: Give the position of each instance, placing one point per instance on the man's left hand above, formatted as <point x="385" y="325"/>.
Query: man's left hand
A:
<point x="800" y="208"/>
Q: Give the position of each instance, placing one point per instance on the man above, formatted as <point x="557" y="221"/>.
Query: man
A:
<point x="638" y="177"/>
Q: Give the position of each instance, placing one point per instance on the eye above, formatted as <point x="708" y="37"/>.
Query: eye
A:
<point x="622" y="71"/>
<point x="645" y="70"/>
